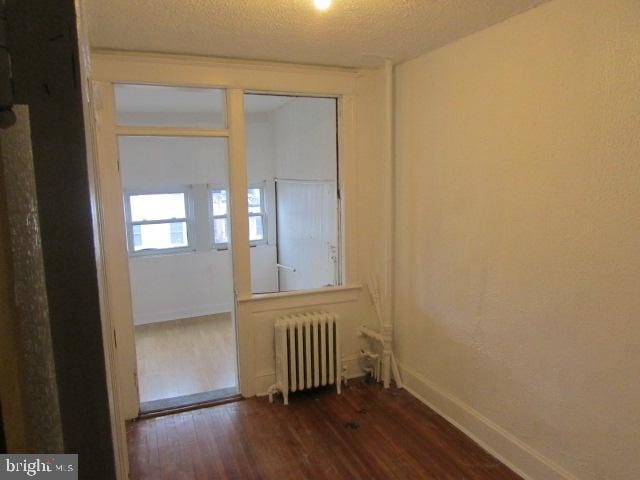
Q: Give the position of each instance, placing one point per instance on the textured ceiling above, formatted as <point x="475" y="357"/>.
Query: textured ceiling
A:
<point x="350" y="33"/>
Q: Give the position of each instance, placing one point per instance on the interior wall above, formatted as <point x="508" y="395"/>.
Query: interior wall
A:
<point x="304" y="130"/>
<point x="518" y="236"/>
<point x="11" y="388"/>
<point x="174" y="286"/>
<point x="306" y="154"/>
<point x="46" y="71"/>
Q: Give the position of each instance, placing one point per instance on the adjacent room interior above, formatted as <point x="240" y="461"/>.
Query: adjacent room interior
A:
<point x="175" y="193"/>
<point x="324" y="239"/>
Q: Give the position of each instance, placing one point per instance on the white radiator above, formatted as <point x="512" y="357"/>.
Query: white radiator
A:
<point x="307" y="353"/>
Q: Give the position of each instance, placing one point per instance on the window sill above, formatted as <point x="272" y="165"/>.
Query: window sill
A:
<point x="264" y="302"/>
<point x="162" y="252"/>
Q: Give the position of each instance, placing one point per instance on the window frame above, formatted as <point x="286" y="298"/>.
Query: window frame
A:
<point x="187" y="191"/>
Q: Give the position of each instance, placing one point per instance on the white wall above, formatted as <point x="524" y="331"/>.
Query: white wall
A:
<point x="173" y="286"/>
<point x="297" y="141"/>
<point x="518" y="236"/>
<point x="305" y="139"/>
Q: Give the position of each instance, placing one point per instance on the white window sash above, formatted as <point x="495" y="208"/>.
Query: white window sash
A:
<point x="188" y="220"/>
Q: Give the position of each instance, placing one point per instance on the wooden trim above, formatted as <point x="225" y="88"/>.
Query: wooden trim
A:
<point x="266" y="296"/>
<point x="115" y="288"/>
<point x="134" y="131"/>
<point x="236" y="77"/>
<point x="268" y="302"/>
<point x="239" y="240"/>
<point x="208" y="61"/>
<point x="194" y="71"/>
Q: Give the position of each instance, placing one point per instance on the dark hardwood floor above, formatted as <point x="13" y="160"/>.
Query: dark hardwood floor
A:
<point x="365" y="433"/>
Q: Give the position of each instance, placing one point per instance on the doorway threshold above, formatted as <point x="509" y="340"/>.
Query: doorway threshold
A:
<point x="183" y="403"/>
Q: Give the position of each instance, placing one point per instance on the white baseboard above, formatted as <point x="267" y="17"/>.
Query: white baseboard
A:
<point x="514" y="453"/>
<point x="189" y="312"/>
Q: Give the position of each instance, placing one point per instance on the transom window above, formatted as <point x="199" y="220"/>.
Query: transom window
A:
<point x="157" y="222"/>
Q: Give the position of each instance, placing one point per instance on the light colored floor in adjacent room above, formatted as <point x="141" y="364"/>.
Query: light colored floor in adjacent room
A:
<point x="184" y="357"/>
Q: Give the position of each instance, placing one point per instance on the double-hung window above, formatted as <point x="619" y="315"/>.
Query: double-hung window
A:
<point x="257" y="215"/>
<point x="158" y="222"/>
<point x="220" y="216"/>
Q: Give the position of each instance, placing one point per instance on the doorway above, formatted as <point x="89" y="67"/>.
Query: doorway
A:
<point x="174" y="179"/>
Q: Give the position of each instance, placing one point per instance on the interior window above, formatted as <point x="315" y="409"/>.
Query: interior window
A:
<point x="154" y="105"/>
<point x="292" y="152"/>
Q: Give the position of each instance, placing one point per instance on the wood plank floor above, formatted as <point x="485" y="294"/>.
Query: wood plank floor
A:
<point x="185" y="357"/>
<point x="365" y="433"/>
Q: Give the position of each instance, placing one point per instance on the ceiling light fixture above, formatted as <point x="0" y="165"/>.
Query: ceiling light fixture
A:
<point x="322" y="4"/>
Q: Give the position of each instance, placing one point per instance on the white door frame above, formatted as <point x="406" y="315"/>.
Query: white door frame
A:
<point x="235" y="77"/>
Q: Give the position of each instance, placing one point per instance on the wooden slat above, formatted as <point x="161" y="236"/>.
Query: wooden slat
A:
<point x="136" y="131"/>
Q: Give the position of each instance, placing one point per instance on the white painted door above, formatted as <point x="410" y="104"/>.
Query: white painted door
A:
<point x="307" y="235"/>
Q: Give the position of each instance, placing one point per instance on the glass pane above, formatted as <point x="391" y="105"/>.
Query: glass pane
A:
<point x="256" y="231"/>
<point x="170" y="106"/>
<point x="292" y="167"/>
<point x="253" y="198"/>
<point x="160" y="236"/>
<point x="137" y="236"/>
<point x="160" y="206"/>
<point x="219" y="202"/>
<point x="220" y="234"/>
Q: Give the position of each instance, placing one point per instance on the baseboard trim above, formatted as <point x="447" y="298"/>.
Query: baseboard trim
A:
<point x="518" y="456"/>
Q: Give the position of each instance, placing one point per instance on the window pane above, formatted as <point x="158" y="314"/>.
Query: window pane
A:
<point x="170" y="106"/>
<point x="137" y="236"/>
<point x="256" y="231"/>
<point x="253" y="197"/>
<point x="219" y="202"/>
<point x="220" y="234"/>
<point x="292" y="154"/>
<point x="160" y="236"/>
<point x="177" y="233"/>
<point x="163" y="206"/>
